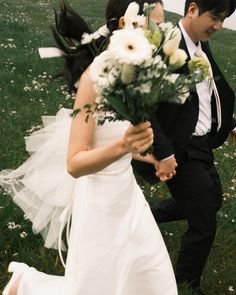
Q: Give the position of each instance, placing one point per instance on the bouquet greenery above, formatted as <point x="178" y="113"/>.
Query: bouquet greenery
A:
<point x="137" y="71"/>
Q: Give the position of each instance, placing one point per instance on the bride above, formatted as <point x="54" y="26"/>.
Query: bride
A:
<point x="115" y="246"/>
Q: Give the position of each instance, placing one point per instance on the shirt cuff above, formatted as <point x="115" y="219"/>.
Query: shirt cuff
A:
<point x="171" y="156"/>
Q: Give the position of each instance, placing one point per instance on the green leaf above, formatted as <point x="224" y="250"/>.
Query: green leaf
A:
<point x="88" y="106"/>
<point x="120" y="108"/>
<point x="75" y="113"/>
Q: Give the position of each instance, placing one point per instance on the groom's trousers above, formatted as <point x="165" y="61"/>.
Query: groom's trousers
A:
<point x="197" y="196"/>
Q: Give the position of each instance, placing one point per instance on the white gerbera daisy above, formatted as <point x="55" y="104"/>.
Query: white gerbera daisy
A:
<point x="130" y="47"/>
<point x="104" y="71"/>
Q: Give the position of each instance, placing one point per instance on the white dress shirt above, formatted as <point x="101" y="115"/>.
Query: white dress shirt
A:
<point x="204" y="92"/>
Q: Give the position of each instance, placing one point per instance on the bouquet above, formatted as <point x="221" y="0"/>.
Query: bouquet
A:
<point x="137" y="71"/>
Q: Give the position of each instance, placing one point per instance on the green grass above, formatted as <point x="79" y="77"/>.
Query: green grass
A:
<point x="28" y="91"/>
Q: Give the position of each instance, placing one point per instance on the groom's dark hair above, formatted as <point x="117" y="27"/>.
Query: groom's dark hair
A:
<point x="215" y="6"/>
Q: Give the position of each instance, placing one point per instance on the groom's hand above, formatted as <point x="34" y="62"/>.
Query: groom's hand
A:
<point x="166" y="169"/>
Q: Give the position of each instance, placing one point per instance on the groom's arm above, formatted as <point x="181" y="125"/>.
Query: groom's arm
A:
<point x="162" y="146"/>
<point x="163" y="152"/>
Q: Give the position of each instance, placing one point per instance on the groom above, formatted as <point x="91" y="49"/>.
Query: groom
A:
<point x="186" y="134"/>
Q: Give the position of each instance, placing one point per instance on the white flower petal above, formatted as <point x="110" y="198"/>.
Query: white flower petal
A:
<point x="178" y="58"/>
<point x="172" y="40"/>
<point x="130" y="47"/>
<point x="132" y="19"/>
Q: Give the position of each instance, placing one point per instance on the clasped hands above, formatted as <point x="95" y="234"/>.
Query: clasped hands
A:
<point x="139" y="138"/>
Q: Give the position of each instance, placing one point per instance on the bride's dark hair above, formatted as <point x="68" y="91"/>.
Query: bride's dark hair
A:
<point x="69" y="28"/>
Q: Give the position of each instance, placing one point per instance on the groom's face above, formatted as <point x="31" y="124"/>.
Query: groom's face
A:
<point x="203" y="26"/>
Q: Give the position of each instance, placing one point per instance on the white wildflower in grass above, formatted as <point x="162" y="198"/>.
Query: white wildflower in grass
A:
<point x="231" y="289"/>
<point x="23" y="235"/>
<point x="172" y="40"/>
<point x="130" y="47"/>
<point x="27" y="88"/>
<point x="12" y="225"/>
<point x="9" y="44"/>
<point x="31" y="130"/>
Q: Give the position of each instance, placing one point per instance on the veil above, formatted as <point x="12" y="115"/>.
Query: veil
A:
<point x="41" y="186"/>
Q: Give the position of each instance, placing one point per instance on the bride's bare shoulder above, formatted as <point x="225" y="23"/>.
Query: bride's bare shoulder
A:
<point x="86" y="78"/>
<point x="86" y="87"/>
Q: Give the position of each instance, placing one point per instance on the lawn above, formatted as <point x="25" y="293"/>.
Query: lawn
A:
<point x="28" y="91"/>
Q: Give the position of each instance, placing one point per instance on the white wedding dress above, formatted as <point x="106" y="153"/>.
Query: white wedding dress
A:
<point x="115" y="246"/>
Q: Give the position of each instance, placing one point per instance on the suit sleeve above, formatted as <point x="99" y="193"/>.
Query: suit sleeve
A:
<point x="162" y="146"/>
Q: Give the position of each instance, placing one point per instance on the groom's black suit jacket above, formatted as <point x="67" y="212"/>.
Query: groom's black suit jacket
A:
<point x="173" y="124"/>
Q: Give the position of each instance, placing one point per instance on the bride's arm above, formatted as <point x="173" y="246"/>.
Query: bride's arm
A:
<point x="83" y="160"/>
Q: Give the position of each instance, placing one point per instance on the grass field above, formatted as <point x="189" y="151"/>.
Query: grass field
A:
<point x="27" y="91"/>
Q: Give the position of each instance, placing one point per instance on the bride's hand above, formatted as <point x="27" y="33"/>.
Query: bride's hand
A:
<point x="138" y="138"/>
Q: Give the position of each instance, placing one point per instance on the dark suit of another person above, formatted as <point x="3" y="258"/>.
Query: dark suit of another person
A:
<point x="196" y="189"/>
